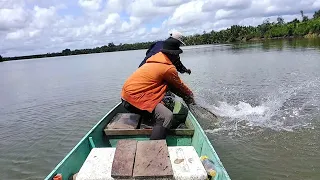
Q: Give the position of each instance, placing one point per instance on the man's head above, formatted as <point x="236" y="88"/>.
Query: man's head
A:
<point x="171" y="48"/>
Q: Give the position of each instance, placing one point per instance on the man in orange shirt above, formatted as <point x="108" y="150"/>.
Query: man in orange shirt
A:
<point x="144" y="90"/>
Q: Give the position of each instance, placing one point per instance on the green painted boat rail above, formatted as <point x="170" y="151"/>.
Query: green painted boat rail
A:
<point x="203" y="147"/>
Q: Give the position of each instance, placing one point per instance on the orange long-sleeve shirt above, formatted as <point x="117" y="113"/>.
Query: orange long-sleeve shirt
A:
<point x="146" y="87"/>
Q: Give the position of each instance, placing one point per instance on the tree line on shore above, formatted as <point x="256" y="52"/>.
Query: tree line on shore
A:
<point x="306" y="27"/>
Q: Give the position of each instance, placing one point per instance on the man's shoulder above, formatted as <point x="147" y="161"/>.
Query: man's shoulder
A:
<point x="159" y="43"/>
<point x="171" y="69"/>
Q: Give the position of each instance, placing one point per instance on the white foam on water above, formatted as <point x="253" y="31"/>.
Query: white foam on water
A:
<point x="279" y="110"/>
<point x="239" y="111"/>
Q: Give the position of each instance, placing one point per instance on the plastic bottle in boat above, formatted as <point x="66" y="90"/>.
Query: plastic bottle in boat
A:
<point x="208" y="166"/>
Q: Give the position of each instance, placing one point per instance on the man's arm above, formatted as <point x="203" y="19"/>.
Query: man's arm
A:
<point x="177" y="86"/>
<point x="181" y="68"/>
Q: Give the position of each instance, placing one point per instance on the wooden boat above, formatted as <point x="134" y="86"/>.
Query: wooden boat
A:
<point x="100" y="136"/>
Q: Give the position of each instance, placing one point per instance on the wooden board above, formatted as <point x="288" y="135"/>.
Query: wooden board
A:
<point x="124" y="121"/>
<point x="122" y="165"/>
<point x="152" y="160"/>
<point x="116" y="132"/>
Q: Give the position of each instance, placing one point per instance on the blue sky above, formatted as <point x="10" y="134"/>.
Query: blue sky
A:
<point x="40" y="26"/>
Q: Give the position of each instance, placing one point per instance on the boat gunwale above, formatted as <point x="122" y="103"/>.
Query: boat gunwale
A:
<point x="198" y="126"/>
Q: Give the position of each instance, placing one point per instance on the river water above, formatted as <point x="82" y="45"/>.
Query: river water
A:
<point x="267" y="95"/>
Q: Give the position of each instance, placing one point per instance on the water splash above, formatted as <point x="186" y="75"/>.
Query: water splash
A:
<point x="241" y="110"/>
<point x="287" y="108"/>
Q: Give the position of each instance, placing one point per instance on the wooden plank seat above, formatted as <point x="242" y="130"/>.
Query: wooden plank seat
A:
<point x="122" y="166"/>
<point x="141" y="159"/>
<point x="152" y="160"/>
<point x="124" y="121"/>
<point x="129" y="124"/>
<point x="125" y="132"/>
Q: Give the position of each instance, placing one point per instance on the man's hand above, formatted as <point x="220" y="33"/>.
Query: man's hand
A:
<point x="188" y="71"/>
<point x="191" y="104"/>
<point x="189" y="101"/>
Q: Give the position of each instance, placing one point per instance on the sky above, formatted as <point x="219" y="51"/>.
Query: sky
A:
<point x="41" y="26"/>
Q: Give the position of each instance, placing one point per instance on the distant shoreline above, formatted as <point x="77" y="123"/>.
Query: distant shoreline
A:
<point x="308" y="36"/>
<point x="306" y="28"/>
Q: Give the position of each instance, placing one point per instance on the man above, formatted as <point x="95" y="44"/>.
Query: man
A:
<point x="154" y="49"/>
<point x="157" y="46"/>
<point x="144" y="90"/>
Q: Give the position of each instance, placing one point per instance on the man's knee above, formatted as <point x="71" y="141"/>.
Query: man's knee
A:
<point x="163" y="115"/>
<point x="168" y="120"/>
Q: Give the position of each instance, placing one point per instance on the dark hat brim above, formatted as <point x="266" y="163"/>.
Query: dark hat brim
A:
<point x="174" y="52"/>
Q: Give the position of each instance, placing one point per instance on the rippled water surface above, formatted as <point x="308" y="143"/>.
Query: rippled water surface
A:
<point x="267" y="96"/>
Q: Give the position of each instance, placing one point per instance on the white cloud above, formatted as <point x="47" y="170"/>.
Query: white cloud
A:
<point x="141" y="31"/>
<point x="190" y="12"/>
<point x="221" y="13"/>
<point x="90" y="4"/>
<point x="15" y="35"/>
<point x="155" y="30"/>
<point x="146" y="9"/>
<point x="161" y="3"/>
<point x="109" y="23"/>
<point x="37" y="26"/>
<point x="33" y="33"/>
<point x="14" y="18"/>
<point x="43" y="16"/>
<point x="112" y="19"/>
<point x="316" y="4"/>
<point x="9" y="4"/>
<point x="212" y="6"/>
<point x="115" y="5"/>
<point x="131" y="25"/>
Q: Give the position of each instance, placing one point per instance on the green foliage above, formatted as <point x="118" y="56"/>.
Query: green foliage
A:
<point x="295" y="21"/>
<point x="306" y="27"/>
<point x="280" y="20"/>
<point x="316" y="14"/>
<point x="1" y="59"/>
<point x="278" y="31"/>
<point x="66" y="52"/>
<point x="304" y="18"/>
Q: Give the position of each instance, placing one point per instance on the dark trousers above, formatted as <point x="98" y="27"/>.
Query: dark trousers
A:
<point x="161" y="114"/>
